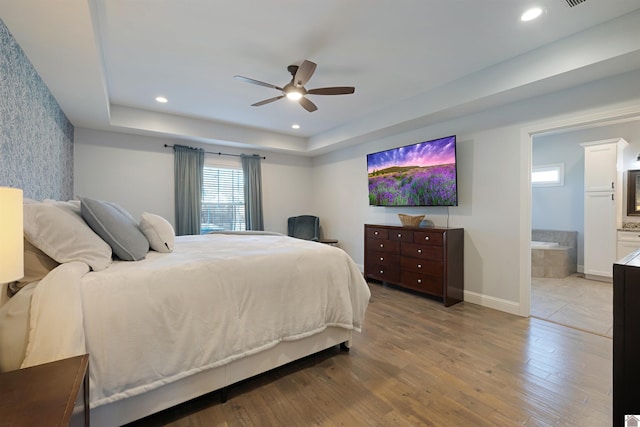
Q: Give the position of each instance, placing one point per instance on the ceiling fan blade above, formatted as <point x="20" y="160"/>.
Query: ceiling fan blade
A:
<point x="338" y="90"/>
<point x="257" y="82"/>
<point x="267" y="101"/>
<point x="307" y="105"/>
<point x="304" y="73"/>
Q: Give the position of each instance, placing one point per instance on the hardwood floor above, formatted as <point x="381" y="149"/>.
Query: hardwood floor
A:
<point x="419" y="363"/>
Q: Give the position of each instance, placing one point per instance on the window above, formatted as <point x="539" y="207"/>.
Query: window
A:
<point x="222" y="199"/>
<point x="547" y="175"/>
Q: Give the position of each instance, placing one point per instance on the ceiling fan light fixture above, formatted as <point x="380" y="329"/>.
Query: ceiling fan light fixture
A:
<point x="295" y="90"/>
<point x="294" y="95"/>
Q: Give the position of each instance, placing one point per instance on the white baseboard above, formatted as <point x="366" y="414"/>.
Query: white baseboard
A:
<point x="492" y="302"/>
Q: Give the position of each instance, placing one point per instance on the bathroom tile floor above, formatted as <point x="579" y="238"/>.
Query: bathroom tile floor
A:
<point x="575" y="302"/>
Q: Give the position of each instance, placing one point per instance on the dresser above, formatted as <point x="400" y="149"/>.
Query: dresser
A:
<point x="626" y="337"/>
<point x="426" y="260"/>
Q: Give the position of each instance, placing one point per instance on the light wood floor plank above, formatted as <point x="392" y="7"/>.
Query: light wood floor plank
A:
<point x="419" y="363"/>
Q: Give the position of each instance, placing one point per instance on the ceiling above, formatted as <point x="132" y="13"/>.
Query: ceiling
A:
<point x="411" y="62"/>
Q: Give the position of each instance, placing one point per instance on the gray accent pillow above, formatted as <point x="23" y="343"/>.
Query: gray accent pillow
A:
<point x="117" y="229"/>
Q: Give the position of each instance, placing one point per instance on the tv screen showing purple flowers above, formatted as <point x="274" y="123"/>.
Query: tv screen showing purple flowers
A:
<point x="422" y="174"/>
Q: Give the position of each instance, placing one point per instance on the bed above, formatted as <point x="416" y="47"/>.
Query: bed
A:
<point x="211" y="311"/>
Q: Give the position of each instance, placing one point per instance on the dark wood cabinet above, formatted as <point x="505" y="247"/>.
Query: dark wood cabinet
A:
<point x="626" y="337"/>
<point x="426" y="260"/>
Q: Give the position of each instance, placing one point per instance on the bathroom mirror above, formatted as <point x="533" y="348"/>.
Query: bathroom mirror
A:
<point x="633" y="192"/>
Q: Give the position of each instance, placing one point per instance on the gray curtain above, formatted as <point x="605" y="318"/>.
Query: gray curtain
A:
<point x="252" y="192"/>
<point x="188" y="167"/>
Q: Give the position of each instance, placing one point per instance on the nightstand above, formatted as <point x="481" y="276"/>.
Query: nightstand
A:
<point x="332" y="242"/>
<point x="45" y="394"/>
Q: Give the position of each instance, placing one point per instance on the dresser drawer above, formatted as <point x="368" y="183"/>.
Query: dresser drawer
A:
<point x="376" y="233"/>
<point x="401" y="235"/>
<point x="383" y="245"/>
<point x="431" y="238"/>
<point x="422" y="266"/>
<point x="382" y="258"/>
<point x="422" y="282"/>
<point x="420" y="251"/>
<point x="385" y="272"/>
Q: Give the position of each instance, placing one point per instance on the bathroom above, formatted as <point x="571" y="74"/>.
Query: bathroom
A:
<point x="557" y="214"/>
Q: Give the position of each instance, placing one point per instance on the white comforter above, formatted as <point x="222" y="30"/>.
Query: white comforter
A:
<point x="216" y="298"/>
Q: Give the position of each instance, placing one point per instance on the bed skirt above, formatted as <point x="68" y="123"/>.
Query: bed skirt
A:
<point x="126" y="410"/>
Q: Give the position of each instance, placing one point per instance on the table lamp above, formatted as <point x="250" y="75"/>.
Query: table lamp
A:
<point x="11" y="235"/>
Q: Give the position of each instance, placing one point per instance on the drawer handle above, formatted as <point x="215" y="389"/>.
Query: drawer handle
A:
<point x="419" y="265"/>
<point x="375" y="232"/>
<point x="419" y="251"/>
<point x="381" y="271"/>
<point x="419" y="281"/>
<point x="399" y="235"/>
<point x="382" y="245"/>
<point x="426" y="237"/>
<point x="381" y="258"/>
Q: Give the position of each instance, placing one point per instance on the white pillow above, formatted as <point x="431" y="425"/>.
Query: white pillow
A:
<point x="71" y="205"/>
<point x="64" y="236"/>
<point x="158" y="231"/>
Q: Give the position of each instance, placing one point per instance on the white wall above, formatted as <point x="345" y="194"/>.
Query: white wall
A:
<point x="137" y="173"/>
<point x="133" y="171"/>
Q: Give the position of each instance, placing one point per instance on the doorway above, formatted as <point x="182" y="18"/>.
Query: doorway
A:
<point x="559" y="291"/>
<point x="589" y="127"/>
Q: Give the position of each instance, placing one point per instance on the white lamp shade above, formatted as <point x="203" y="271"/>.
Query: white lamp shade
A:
<point x="11" y="240"/>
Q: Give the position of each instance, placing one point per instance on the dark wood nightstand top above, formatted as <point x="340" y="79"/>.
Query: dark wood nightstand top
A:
<point x="44" y="394"/>
<point x="332" y="242"/>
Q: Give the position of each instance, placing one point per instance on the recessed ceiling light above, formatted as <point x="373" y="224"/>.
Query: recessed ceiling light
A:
<point x="161" y="99"/>
<point x="531" y="14"/>
<point x="295" y="126"/>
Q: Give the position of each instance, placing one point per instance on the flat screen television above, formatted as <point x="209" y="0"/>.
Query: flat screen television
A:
<point x="422" y="174"/>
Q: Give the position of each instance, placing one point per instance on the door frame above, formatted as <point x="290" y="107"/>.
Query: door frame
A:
<point x="604" y="117"/>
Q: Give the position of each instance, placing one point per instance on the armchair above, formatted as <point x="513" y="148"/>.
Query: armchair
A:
<point x="305" y="227"/>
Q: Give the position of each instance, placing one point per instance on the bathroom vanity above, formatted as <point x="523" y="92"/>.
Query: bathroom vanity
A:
<point x="628" y="240"/>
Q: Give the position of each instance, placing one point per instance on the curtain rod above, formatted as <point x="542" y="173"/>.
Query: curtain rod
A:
<point x="221" y="154"/>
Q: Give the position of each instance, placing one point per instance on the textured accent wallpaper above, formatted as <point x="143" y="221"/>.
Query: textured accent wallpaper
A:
<point x="36" y="137"/>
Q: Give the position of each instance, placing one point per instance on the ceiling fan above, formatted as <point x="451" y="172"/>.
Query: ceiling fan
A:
<point x="295" y="90"/>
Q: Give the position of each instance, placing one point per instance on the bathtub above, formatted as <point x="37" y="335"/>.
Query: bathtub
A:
<point x="553" y="253"/>
<point x="544" y="245"/>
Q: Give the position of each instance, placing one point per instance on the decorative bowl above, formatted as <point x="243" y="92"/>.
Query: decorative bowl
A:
<point x="410" y="221"/>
